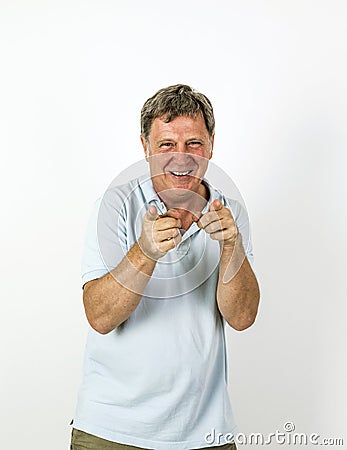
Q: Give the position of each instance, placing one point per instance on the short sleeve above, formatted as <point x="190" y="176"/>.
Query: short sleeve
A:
<point x="242" y="222"/>
<point x="105" y="239"/>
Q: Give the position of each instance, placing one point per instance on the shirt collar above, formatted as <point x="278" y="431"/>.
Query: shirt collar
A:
<point x="151" y="196"/>
<point x="146" y="186"/>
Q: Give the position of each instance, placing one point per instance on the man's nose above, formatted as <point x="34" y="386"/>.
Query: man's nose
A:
<point x="181" y="154"/>
<point x="181" y="149"/>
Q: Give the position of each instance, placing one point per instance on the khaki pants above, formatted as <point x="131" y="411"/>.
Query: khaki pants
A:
<point x="85" y="441"/>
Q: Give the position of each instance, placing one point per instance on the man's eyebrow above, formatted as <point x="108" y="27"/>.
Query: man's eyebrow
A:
<point x="165" y="140"/>
<point x="196" y="139"/>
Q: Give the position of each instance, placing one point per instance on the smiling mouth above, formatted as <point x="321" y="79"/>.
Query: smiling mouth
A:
<point x="181" y="174"/>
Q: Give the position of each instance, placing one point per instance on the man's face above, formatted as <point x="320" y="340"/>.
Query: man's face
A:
<point x="178" y="155"/>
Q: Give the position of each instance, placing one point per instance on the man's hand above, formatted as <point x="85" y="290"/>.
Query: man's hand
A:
<point x="219" y="224"/>
<point x="159" y="233"/>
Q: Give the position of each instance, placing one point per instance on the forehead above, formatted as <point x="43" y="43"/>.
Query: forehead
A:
<point x="178" y="127"/>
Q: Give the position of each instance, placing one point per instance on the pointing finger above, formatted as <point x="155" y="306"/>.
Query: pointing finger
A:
<point x="152" y="213"/>
<point x="216" y="205"/>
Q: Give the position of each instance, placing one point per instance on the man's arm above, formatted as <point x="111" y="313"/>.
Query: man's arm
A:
<point x="110" y="300"/>
<point x="237" y="290"/>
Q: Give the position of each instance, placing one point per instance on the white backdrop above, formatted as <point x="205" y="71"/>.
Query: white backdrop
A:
<point x="73" y="78"/>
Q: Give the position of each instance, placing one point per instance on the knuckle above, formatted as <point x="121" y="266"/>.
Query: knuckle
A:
<point x="203" y="222"/>
<point x="211" y="228"/>
<point x="156" y="238"/>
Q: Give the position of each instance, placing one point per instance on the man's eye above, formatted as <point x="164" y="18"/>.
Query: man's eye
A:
<point x="166" y="145"/>
<point x="194" y="144"/>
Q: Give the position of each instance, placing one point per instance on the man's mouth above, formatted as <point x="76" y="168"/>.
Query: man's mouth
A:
<point x="181" y="174"/>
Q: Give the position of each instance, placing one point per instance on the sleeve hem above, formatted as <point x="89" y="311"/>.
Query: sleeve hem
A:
<point x="92" y="275"/>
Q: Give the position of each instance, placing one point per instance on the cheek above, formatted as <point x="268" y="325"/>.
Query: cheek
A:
<point x="158" y="160"/>
<point x="202" y="159"/>
<point x="203" y="154"/>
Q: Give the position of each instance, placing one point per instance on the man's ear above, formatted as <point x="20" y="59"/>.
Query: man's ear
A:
<point x="211" y="146"/>
<point x="144" y="145"/>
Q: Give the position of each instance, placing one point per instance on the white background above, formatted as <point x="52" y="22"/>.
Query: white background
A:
<point x="73" y="78"/>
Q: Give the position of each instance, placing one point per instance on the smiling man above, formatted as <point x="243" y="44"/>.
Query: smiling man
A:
<point x="166" y="266"/>
<point x="180" y="151"/>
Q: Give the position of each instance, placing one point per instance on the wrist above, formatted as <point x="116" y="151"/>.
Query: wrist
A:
<point x="145" y="254"/>
<point x="232" y="242"/>
<point x="140" y="259"/>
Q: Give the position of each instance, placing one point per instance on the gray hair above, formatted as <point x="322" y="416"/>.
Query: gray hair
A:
<point x="174" y="101"/>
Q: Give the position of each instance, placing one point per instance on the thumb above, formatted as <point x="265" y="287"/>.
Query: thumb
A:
<point x="216" y="205"/>
<point x="152" y="213"/>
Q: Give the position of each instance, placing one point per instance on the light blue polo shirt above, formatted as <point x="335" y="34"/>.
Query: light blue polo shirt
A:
<point x="158" y="381"/>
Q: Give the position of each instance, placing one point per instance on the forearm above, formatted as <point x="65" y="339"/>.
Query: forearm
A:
<point x="237" y="290"/>
<point x="110" y="300"/>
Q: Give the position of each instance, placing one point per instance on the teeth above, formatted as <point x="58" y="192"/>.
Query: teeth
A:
<point x="181" y="174"/>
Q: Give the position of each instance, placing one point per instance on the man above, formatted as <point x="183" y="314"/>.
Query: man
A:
<point x="166" y="266"/>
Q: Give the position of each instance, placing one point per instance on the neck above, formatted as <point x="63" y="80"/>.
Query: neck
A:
<point x="192" y="202"/>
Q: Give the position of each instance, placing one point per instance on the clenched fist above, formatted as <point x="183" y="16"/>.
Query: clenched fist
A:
<point x="219" y="224"/>
<point x="159" y="233"/>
